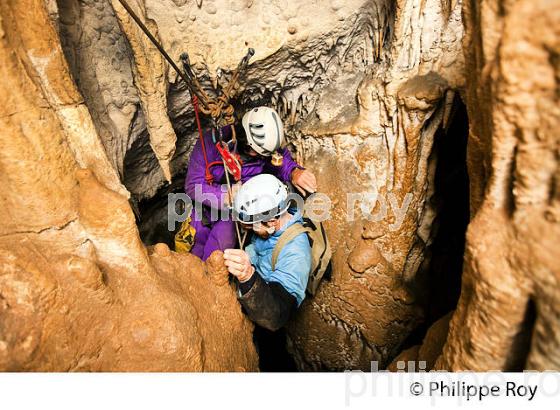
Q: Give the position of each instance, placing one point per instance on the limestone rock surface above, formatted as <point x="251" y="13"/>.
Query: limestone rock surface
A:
<point x="78" y="289"/>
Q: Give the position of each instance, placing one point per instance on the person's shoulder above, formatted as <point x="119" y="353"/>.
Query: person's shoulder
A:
<point x="300" y="244"/>
<point x="296" y="257"/>
<point x="304" y="239"/>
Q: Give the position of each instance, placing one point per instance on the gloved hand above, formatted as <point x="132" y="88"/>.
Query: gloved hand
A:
<point x="234" y="190"/>
<point x="304" y="180"/>
<point x="239" y="264"/>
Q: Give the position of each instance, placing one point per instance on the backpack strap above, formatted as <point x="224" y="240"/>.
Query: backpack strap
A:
<point x="289" y="234"/>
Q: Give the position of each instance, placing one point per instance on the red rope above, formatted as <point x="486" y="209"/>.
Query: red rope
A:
<point x="209" y="178"/>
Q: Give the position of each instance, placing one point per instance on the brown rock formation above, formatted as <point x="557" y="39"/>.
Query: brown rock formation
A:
<point x="424" y="356"/>
<point x="508" y="314"/>
<point x="381" y="184"/>
<point x="150" y="71"/>
<point x="78" y="289"/>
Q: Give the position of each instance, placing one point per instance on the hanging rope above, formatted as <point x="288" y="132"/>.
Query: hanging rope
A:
<point x="219" y="109"/>
<point x="209" y="178"/>
<point x="156" y="44"/>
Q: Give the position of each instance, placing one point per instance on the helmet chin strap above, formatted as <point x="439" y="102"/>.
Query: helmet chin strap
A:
<point x="276" y="158"/>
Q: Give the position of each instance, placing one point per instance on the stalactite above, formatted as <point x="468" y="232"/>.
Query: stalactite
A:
<point x="150" y="72"/>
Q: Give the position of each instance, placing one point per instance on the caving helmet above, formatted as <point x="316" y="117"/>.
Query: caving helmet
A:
<point x="260" y="199"/>
<point x="264" y="130"/>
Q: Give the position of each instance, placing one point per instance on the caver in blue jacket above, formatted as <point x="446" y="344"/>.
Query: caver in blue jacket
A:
<point x="270" y="296"/>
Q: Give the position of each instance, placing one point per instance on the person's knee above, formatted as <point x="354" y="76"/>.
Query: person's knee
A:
<point x="221" y="237"/>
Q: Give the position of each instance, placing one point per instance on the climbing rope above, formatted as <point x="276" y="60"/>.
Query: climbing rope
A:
<point x="208" y="176"/>
<point x="219" y="109"/>
<point x="156" y="44"/>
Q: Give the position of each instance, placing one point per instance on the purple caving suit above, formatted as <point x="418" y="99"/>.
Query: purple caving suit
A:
<point x="220" y="235"/>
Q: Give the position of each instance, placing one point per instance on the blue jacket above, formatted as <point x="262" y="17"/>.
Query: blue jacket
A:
<point x="293" y="264"/>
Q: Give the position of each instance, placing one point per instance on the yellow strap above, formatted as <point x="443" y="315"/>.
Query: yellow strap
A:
<point x="287" y="236"/>
<point x="184" y="239"/>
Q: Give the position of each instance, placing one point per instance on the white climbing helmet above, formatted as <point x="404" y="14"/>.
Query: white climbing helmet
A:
<point x="264" y="129"/>
<point x="261" y="198"/>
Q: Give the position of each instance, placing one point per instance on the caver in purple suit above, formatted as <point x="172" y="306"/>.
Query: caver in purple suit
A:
<point x="220" y="235"/>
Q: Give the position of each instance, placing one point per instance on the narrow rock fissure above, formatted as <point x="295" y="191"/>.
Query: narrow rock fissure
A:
<point x="452" y="204"/>
<point x="439" y="283"/>
<point x="521" y="344"/>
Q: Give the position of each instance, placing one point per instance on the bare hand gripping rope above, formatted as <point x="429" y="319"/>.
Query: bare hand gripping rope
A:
<point x="219" y="108"/>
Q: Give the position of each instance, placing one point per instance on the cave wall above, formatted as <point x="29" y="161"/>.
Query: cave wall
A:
<point x="87" y="29"/>
<point x="363" y="87"/>
<point x="299" y="49"/>
<point x="78" y="289"/>
<point x="357" y="99"/>
<point x="382" y="148"/>
<point x="508" y="313"/>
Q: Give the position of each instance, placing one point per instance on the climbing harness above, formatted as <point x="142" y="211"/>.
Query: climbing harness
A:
<point x="232" y="160"/>
<point x="220" y="115"/>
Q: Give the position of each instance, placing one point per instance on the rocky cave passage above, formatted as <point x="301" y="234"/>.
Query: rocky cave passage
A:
<point x="430" y="105"/>
<point x="437" y="284"/>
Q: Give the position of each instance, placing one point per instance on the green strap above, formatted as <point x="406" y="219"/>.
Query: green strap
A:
<point x="287" y="236"/>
